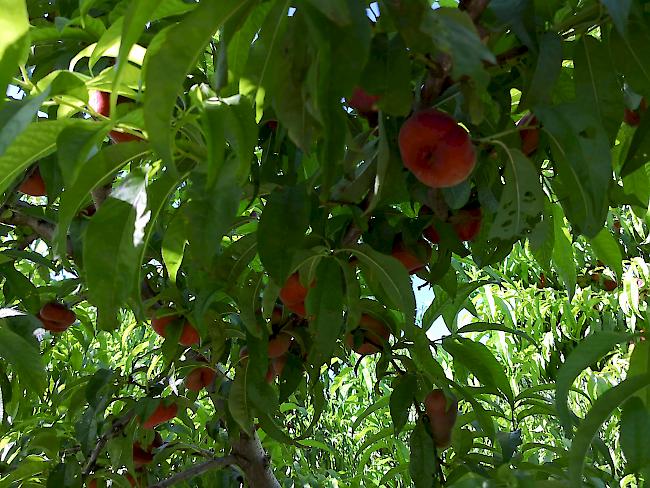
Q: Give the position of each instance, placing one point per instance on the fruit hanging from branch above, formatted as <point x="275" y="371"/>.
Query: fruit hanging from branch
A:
<point x="162" y="413"/>
<point x="100" y="102"/>
<point x="370" y="337"/>
<point x="436" y="149"/>
<point x="56" y="317"/>
<point x="33" y="185"/>
<point x="442" y="413"/>
<point x="189" y="335"/>
<point x="530" y="135"/>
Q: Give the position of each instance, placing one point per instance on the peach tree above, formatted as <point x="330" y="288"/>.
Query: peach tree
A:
<point x="328" y="243"/>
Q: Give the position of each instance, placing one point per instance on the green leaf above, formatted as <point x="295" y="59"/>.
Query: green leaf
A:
<point x="587" y="352"/>
<point x="14" y="39"/>
<point x="75" y="145"/>
<point x="380" y="403"/>
<point x="18" y="349"/>
<point x="547" y="71"/>
<point x="337" y="11"/>
<point x="173" y="245"/>
<point x="600" y="411"/>
<point x="110" y="249"/>
<point x="238" y="400"/>
<point x="607" y="250"/>
<point x="640" y="365"/>
<point x="422" y="465"/>
<point x="391" y="276"/>
<point x="597" y="84"/>
<point x="231" y="119"/>
<point x="542" y="238"/>
<point x="282" y="228"/>
<point x="485" y="326"/>
<point x="209" y="215"/>
<point x="638" y="153"/>
<point x="135" y="20"/>
<point x="517" y="15"/>
<point x="249" y="302"/>
<point x="476" y="357"/>
<point x="96" y="171"/>
<point x="34" y="143"/>
<point x="325" y="305"/>
<point x="619" y="11"/>
<point x="16" y="116"/>
<point x="635" y="432"/>
<point x="454" y="33"/>
<point x="171" y="55"/>
<point x="582" y="160"/>
<point x="387" y="74"/>
<point x="522" y="197"/>
<point x="563" y="252"/>
<point x="628" y="53"/>
<point x="401" y="400"/>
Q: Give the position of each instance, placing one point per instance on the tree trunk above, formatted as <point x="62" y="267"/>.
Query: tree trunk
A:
<point x="252" y="459"/>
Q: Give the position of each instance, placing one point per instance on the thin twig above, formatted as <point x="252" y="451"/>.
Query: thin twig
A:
<point x="117" y="427"/>
<point x="196" y="470"/>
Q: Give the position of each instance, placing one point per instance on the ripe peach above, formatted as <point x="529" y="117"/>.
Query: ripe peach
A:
<point x="200" y="378"/>
<point x="92" y="483"/>
<point x="363" y="102"/>
<point x="529" y="137"/>
<point x="293" y="295"/>
<point x="276" y="366"/>
<point x="56" y="317"/>
<point x="189" y="335"/>
<point x="633" y="117"/>
<point x="143" y="456"/>
<point x="33" y="185"/>
<point x="99" y="101"/>
<point x="467" y="223"/>
<point x="279" y="345"/>
<point x="609" y="285"/>
<point x="412" y="261"/>
<point x="442" y="416"/>
<point x="436" y="149"/>
<point x="375" y="336"/>
<point x="161" y="414"/>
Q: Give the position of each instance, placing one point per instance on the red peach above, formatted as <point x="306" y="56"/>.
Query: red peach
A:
<point x="633" y="117"/>
<point x="56" y="317"/>
<point x="33" y="185"/>
<point x="276" y="366"/>
<point x="363" y="102"/>
<point x="99" y="101"/>
<point x="293" y="294"/>
<point x="279" y="345"/>
<point x="161" y="414"/>
<point x="200" y="378"/>
<point x="189" y="335"/>
<point x="467" y="223"/>
<point x="529" y="137"/>
<point x="375" y="336"/>
<point x="412" y="262"/>
<point x="436" y="149"/>
<point x="442" y="416"/>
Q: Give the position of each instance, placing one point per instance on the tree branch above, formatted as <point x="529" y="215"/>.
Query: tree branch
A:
<point x="474" y="8"/>
<point x="196" y="470"/>
<point x="100" y="194"/>
<point x="253" y="460"/>
<point x="117" y="427"/>
<point x="438" y="78"/>
<point x="41" y="227"/>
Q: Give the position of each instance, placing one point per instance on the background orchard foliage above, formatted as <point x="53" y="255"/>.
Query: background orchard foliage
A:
<point x="230" y="155"/>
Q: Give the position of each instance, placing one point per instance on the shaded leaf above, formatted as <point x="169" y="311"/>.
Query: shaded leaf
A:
<point x="587" y="352"/>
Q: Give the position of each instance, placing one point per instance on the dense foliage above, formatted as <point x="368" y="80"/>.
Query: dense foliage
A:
<point x="324" y="243"/>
